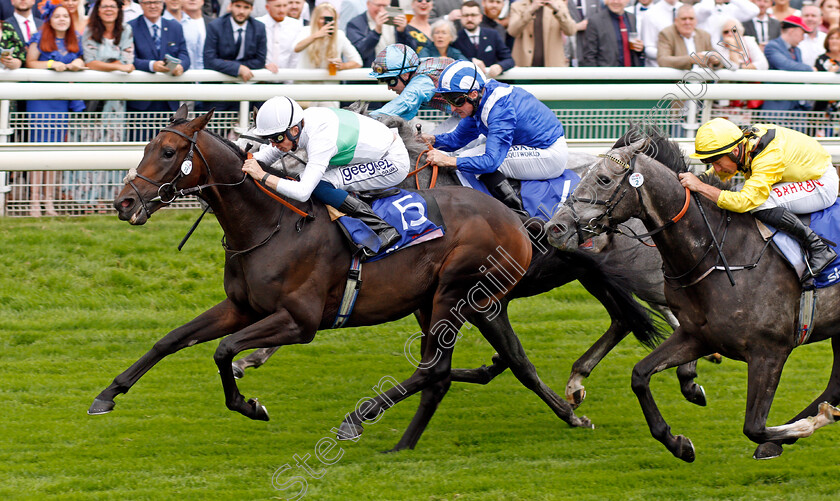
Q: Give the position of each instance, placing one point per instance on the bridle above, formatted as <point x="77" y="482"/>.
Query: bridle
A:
<point x="596" y="225"/>
<point x="168" y="192"/>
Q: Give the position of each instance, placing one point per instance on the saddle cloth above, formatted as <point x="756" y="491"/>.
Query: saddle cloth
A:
<point x="540" y="198"/>
<point x="825" y="223"/>
<point x="416" y="217"/>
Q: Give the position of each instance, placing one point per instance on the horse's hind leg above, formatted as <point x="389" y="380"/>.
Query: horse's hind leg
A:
<point x="255" y="360"/>
<point x="692" y="391"/>
<point x="499" y="333"/>
<point x="831" y="394"/>
<point x="214" y="323"/>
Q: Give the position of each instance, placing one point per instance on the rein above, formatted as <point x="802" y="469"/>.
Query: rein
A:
<point x="417" y="169"/>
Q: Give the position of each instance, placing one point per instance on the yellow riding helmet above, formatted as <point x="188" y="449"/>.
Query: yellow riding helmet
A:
<point x="716" y="137"/>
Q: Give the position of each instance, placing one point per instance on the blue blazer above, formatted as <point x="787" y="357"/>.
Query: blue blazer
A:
<point x="491" y="48"/>
<point x="13" y="21"/>
<point x="365" y="39"/>
<point x="220" y="48"/>
<point x="6" y="9"/>
<point x="171" y="42"/>
<point x="780" y="58"/>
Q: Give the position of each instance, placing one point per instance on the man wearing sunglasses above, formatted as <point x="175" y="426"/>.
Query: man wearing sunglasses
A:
<point x="413" y="80"/>
<point x="345" y="152"/>
<point x="524" y="138"/>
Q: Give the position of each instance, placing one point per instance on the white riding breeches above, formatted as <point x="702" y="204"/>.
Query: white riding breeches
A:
<point x="804" y="197"/>
<point x="375" y="175"/>
<point x="525" y="162"/>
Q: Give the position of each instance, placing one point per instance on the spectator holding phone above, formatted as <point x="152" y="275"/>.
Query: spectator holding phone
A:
<point x="374" y="30"/>
<point x="12" y="53"/>
<point x="326" y="46"/>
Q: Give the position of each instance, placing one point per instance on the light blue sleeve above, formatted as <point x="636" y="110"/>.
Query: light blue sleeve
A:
<point x="418" y="92"/>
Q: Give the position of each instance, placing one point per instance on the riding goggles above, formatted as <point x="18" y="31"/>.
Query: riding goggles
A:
<point x="390" y="81"/>
<point x="277" y="137"/>
<point x="455" y="98"/>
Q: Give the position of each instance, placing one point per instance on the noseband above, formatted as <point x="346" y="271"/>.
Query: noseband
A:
<point x="168" y="192"/>
<point x="595" y="225"/>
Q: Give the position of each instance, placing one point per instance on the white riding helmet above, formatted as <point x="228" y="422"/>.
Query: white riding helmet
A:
<point x="277" y="115"/>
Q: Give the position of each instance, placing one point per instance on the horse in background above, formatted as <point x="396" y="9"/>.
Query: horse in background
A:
<point x="752" y="319"/>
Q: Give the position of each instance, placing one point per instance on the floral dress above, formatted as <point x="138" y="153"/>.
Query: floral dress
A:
<point x="9" y="39"/>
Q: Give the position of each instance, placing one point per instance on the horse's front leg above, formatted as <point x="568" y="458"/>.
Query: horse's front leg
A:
<point x="277" y="329"/>
<point x="831" y="395"/>
<point x="678" y="349"/>
<point x="214" y="323"/>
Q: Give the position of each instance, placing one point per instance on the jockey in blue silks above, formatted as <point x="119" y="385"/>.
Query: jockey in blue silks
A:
<point x="524" y="138"/>
<point x="398" y="66"/>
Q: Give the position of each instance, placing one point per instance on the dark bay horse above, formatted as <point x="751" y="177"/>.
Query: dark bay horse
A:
<point x="753" y="321"/>
<point x="550" y="268"/>
<point x="284" y="275"/>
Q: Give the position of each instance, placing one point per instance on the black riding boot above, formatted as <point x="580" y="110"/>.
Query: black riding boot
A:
<point x="820" y="255"/>
<point x="354" y="207"/>
<point x="502" y="190"/>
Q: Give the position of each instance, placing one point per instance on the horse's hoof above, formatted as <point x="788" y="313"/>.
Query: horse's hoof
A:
<point x="685" y="449"/>
<point x="697" y="395"/>
<point x="349" y="431"/>
<point x="767" y="450"/>
<point x="101" y="407"/>
<point x="830" y="412"/>
<point x="238" y="373"/>
<point x="260" y="412"/>
<point x="583" y="422"/>
<point x="578" y="396"/>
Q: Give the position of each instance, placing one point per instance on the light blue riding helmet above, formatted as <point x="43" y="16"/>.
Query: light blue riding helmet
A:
<point x="394" y="60"/>
<point x="460" y="77"/>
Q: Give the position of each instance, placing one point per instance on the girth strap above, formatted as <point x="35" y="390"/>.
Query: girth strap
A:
<point x="351" y="292"/>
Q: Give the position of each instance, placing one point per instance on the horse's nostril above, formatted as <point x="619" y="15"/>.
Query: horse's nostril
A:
<point x="557" y="229"/>
<point x="126" y="203"/>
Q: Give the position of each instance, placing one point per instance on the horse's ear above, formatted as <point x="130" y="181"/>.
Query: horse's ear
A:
<point x="201" y="121"/>
<point x="254" y="117"/>
<point x="181" y="113"/>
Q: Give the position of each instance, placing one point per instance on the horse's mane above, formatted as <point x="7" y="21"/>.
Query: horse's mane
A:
<point x="227" y="142"/>
<point x="413" y="144"/>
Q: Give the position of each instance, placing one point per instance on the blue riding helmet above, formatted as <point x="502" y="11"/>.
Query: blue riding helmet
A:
<point x="395" y="59"/>
<point x="460" y="77"/>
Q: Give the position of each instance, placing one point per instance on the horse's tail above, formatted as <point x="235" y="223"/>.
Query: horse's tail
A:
<point x="615" y="291"/>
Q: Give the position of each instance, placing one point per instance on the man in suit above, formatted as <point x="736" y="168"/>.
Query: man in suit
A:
<point x="783" y="54"/>
<point x="608" y="41"/>
<point x="371" y="32"/>
<point x="281" y="32"/>
<point x="659" y="16"/>
<point x="538" y="27"/>
<point x="24" y="20"/>
<point x="763" y="27"/>
<point x="194" y="23"/>
<point x="154" y="39"/>
<point x="236" y="42"/>
<point x="484" y="47"/>
<point x="581" y="10"/>
<point x="682" y="45"/>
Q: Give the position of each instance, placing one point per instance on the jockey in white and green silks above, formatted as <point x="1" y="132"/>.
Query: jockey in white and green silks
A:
<point x="345" y="152"/>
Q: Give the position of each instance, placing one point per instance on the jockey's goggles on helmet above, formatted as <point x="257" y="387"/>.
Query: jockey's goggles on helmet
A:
<point x="455" y="98"/>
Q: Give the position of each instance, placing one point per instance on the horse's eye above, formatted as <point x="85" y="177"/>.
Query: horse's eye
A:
<point x="604" y="180"/>
<point x="168" y="153"/>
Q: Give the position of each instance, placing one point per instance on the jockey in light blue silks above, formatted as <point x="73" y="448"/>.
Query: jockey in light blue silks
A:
<point x="346" y="152"/>
<point x="524" y="138"/>
<point x="413" y="79"/>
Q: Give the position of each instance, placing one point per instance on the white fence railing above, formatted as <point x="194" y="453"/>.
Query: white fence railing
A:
<point x="683" y="101"/>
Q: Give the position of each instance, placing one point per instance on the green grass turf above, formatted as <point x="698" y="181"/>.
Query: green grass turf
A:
<point x="81" y="299"/>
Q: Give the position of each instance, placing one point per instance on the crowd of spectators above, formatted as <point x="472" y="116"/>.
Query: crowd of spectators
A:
<point x="236" y="37"/>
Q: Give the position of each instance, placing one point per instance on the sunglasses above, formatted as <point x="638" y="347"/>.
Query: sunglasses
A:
<point x="455" y="98"/>
<point x="276" y="138"/>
